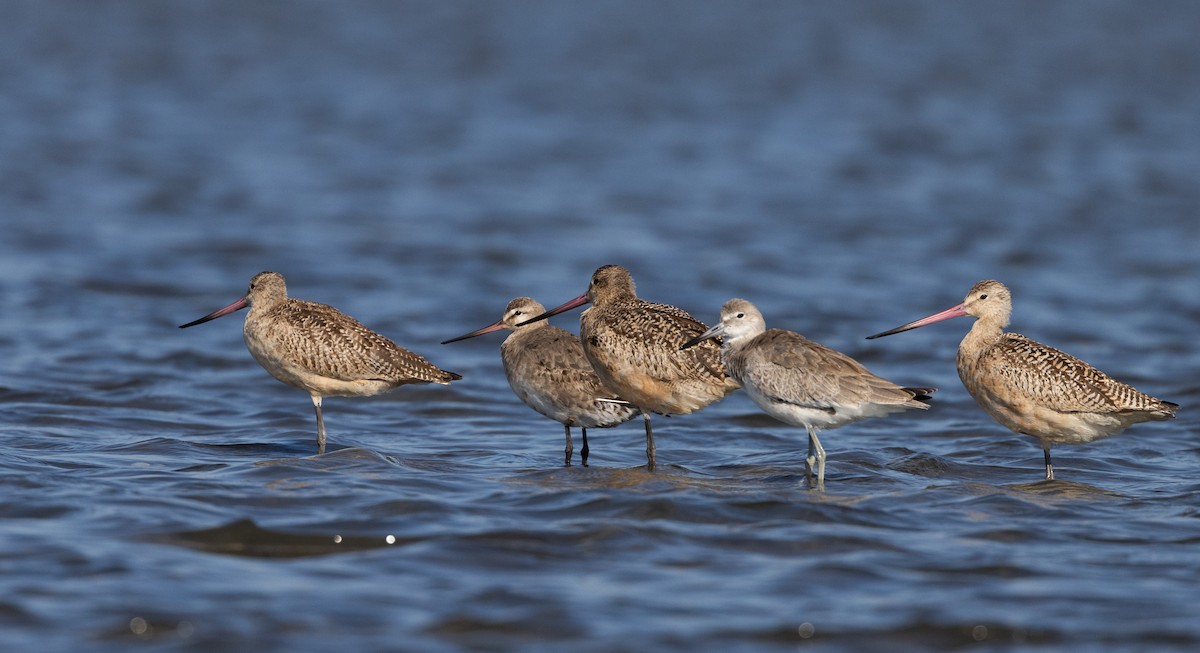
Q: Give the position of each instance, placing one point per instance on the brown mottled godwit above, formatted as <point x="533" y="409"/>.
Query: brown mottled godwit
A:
<point x="800" y="382"/>
<point x="1034" y="389"/>
<point x="321" y="350"/>
<point x="633" y="345"/>
<point x="548" y="371"/>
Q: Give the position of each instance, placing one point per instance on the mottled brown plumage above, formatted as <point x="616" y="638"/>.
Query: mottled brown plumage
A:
<point x="633" y="345"/>
<point x="321" y="350"/>
<point x="801" y="382"/>
<point x="1034" y="389"/>
<point x="547" y="369"/>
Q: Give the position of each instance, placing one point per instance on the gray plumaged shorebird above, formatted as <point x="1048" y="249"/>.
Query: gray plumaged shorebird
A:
<point x="321" y="350"/>
<point x="633" y="345"/>
<point x="1034" y="389"/>
<point x="800" y="382"/>
<point x="547" y="370"/>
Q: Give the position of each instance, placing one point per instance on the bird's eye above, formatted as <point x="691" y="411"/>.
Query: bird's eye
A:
<point x="740" y="315"/>
<point x="983" y="296"/>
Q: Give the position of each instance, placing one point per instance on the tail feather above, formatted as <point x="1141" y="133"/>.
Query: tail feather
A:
<point x="921" y="394"/>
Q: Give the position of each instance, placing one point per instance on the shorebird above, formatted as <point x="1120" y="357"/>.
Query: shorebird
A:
<point x="800" y="382"/>
<point x="321" y="350"/>
<point x="1034" y="389"/>
<point x="548" y="371"/>
<point x="633" y="345"/>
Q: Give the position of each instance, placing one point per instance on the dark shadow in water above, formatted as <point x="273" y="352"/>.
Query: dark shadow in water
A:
<point x="667" y="476"/>
<point x="336" y="458"/>
<point x="1061" y="489"/>
<point x="779" y="482"/>
<point x="246" y="538"/>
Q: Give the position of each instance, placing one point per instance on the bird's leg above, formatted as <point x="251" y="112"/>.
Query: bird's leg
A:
<point x="570" y="447"/>
<point x="649" y="442"/>
<point x="583" y="453"/>
<point x="316" y="399"/>
<point x="1049" y="467"/>
<point x="816" y="453"/>
<point x="811" y="460"/>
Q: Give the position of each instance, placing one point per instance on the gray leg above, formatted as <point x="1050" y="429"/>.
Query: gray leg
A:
<point x="816" y="454"/>
<point x="649" y="442"/>
<point x="583" y="453"/>
<point x="320" y="425"/>
<point x="811" y="461"/>
<point x="570" y="447"/>
<point x="1049" y="467"/>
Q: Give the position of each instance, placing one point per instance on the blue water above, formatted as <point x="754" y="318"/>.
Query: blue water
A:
<point x="846" y="166"/>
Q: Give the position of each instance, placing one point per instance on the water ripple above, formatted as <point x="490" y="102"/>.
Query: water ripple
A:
<point x="845" y="166"/>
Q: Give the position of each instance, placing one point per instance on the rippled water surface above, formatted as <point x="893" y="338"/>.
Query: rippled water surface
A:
<point x="846" y="166"/>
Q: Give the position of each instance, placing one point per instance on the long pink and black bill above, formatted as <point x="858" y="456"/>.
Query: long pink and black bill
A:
<point x="496" y="326"/>
<point x="236" y="306"/>
<point x="574" y="303"/>
<point x="949" y="313"/>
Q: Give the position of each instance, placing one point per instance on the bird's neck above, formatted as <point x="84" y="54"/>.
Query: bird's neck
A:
<point x="983" y="334"/>
<point x="733" y="343"/>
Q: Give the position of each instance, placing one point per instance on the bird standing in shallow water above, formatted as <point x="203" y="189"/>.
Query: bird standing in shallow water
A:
<point x="548" y="371"/>
<point x="321" y="350"/>
<point x="1034" y="389"/>
<point x="633" y="345"/>
<point x="800" y="382"/>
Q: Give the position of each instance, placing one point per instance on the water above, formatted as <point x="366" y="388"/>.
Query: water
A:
<point x="846" y="166"/>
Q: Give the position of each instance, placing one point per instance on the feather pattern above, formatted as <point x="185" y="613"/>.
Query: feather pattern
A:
<point x="1035" y="389"/>
<point x="321" y="350"/>
<point x="789" y="368"/>
<point x="548" y="371"/>
<point x="327" y="343"/>
<point x="1019" y="366"/>
<point x="633" y="345"/>
<point x="801" y="382"/>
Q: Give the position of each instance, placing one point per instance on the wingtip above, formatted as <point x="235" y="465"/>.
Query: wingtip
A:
<point x="921" y="394"/>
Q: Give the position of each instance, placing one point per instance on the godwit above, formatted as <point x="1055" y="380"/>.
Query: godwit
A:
<point x="800" y="382"/>
<point x="547" y="370"/>
<point x="319" y="349"/>
<point x="1034" y="389"/>
<point x="633" y="345"/>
